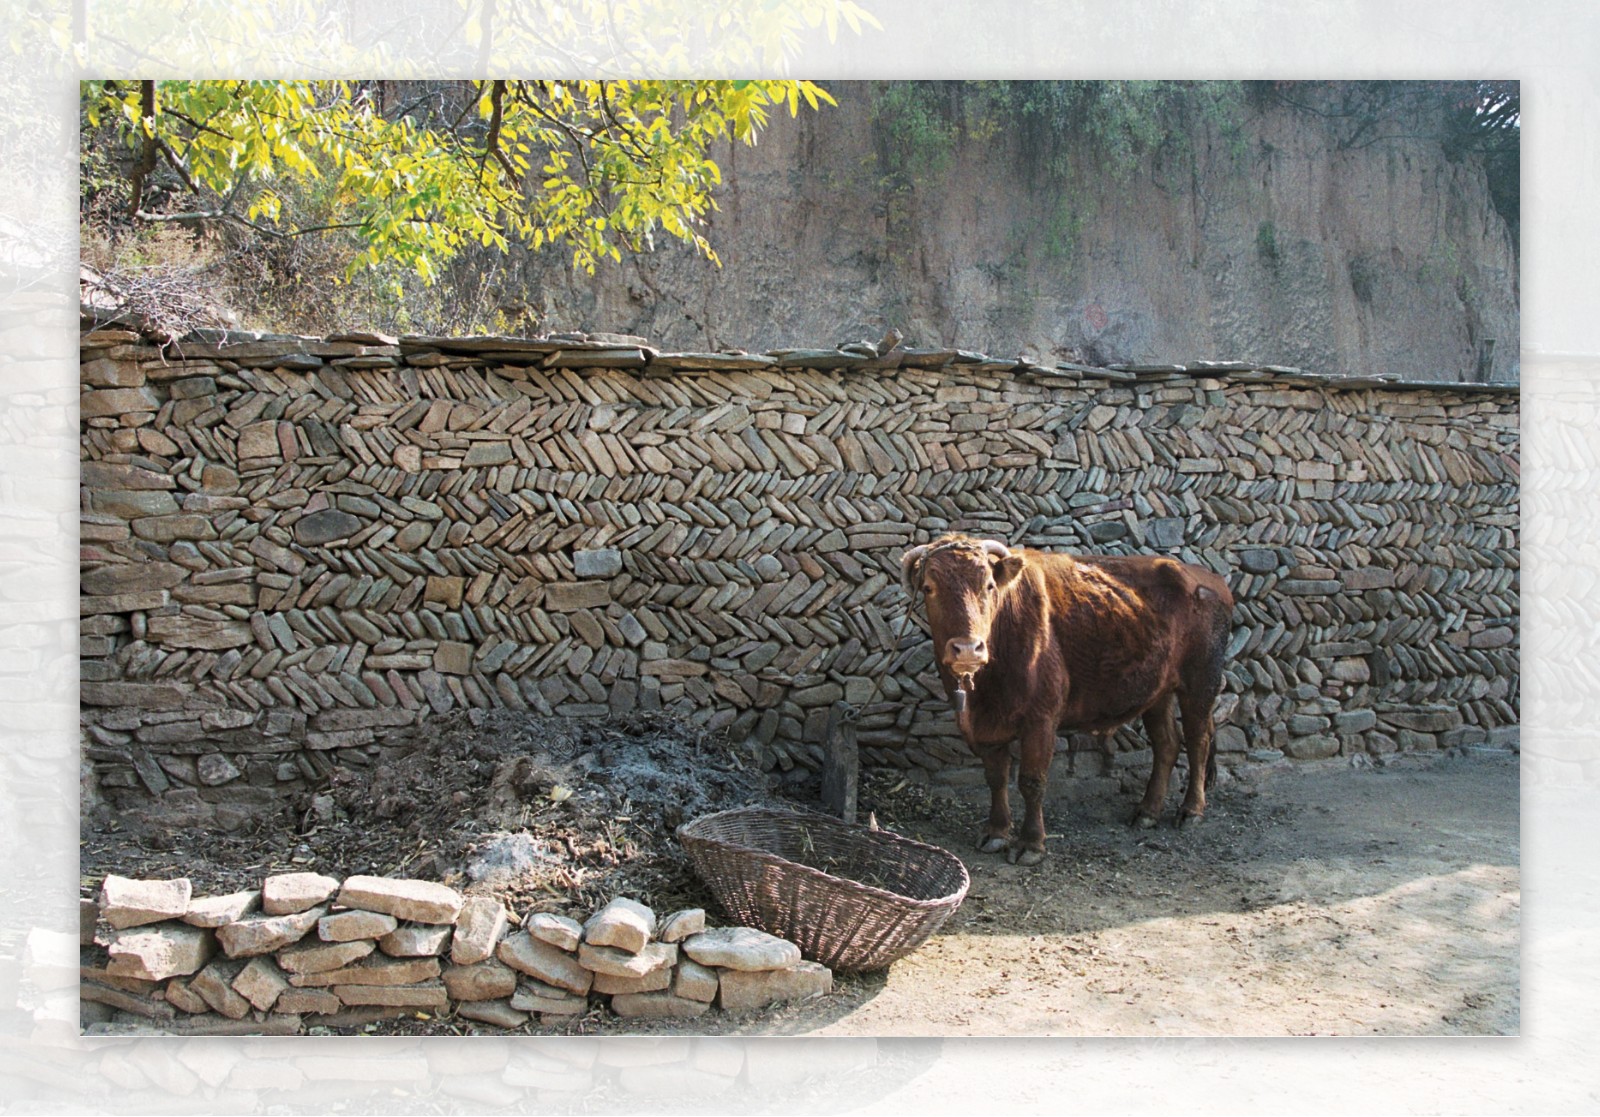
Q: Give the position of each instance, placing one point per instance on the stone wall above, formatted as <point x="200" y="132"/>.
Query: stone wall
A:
<point x="307" y="950"/>
<point x="293" y="545"/>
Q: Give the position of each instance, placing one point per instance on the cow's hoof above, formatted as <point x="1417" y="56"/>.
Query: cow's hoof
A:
<point x="1186" y="819"/>
<point x="1142" y="821"/>
<point x="991" y="845"/>
<point x="1018" y="856"/>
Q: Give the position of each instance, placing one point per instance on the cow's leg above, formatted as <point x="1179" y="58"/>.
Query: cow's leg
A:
<point x="1197" y="731"/>
<point x="1163" y="734"/>
<point x="1038" y="749"/>
<point x="997" y="773"/>
<point x="1201" y="687"/>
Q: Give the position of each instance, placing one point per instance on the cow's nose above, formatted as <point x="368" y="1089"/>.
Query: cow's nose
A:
<point x="967" y="651"/>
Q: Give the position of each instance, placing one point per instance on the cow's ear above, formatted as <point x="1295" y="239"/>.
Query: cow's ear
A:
<point x="1007" y="569"/>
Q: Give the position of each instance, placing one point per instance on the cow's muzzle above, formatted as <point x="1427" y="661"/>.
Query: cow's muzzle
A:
<point x="965" y="656"/>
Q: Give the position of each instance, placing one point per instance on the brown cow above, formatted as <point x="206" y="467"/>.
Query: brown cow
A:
<point x="1030" y="643"/>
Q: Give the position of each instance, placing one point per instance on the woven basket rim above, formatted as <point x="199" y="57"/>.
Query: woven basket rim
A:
<point x="898" y="899"/>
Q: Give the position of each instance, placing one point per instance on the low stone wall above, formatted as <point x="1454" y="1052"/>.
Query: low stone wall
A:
<point x="306" y="950"/>
<point x="292" y="545"/>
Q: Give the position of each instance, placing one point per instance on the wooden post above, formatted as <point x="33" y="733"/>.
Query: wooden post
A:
<point x="841" y="763"/>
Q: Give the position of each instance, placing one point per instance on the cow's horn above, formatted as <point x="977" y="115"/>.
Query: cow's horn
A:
<point x="908" y="566"/>
<point x="995" y="547"/>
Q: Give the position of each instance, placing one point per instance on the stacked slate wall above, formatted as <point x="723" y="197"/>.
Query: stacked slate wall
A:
<point x="292" y="546"/>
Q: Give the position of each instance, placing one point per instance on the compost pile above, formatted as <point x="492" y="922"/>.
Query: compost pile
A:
<point x="546" y="813"/>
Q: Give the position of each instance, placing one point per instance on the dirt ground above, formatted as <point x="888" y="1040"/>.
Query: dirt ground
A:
<point x="1313" y="900"/>
<point x="1324" y="902"/>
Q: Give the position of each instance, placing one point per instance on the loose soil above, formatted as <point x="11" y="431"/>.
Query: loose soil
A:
<point x="1313" y="899"/>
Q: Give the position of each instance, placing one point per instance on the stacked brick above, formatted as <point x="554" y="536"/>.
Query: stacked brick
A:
<point x="292" y="546"/>
<point x="307" y="950"/>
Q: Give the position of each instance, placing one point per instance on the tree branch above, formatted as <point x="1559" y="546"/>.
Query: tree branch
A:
<point x="177" y="165"/>
<point x="196" y="217"/>
<point x="491" y="143"/>
<point x="147" y="155"/>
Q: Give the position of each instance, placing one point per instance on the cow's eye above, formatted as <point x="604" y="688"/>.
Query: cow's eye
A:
<point x="927" y="588"/>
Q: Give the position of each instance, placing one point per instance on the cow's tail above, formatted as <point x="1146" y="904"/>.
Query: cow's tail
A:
<point x="1221" y="636"/>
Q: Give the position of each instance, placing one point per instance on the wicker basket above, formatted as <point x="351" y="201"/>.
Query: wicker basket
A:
<point x="851" y="898"/>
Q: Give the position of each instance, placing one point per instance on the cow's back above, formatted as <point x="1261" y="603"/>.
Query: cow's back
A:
<point x="1124" y="628"/>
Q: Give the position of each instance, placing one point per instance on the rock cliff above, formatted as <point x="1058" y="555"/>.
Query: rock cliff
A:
<point x="1265" y="236"/>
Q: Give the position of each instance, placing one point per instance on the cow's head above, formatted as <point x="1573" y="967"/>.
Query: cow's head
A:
<point x="962" y="582"/>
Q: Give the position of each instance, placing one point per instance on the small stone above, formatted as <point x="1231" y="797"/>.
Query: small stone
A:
<point x="656" y="1006"/>
<point x="694" y="981"/>
<point x="488" y="453"/>
<point x="479" y="928"/>
<point x="1352" y="670"/>
<point x="315" y="956"/>
<point x="1259" y="561"/>
<point x="1164" y="533"/>
<point x="325" y="526"/>
<point x="417" y="900"/>
<point x="1303" y="725"/>
<point x="133" y="577"/>
<point x="1312" y="748"/>
<point x="374" y="970"/>
<point x="184" y="999"/>
<point x="681" y="924"/>
<point x="133" y="504"/>
<point x="163" y="951"/>
<point x="744" y="990"/>
<point x="1355" y="721"/>
<point x="481" y="981"/>
<point x="261" y="982"/>
<point x="536" y="996"/>
<point x="349" y="926"/>
<point x="604" y="563"/>
<point x="214" y="911"/>
<point x="453" y="657"/>
<point x="652" y="982"/>
<point x="1424" y="720"/>
<point x="214" y="769"/>
<point x="170" y="529"/>
<point x="259" y="440"/>
<point x="545" y="962"/>
<point x="621" y="963"/>
<point x="1493" y="638"/>
<point x="498" y="1014"/>
<point x="632" y="630"/>
<point x="741" y="948"/>
<point x="557" y="930"/>
<point x="430" y="995"/>
<point x="214" y="984"/>
<point x="416" y="940"/>
<point x="565" y="597"/>
<point x="308" y="1001"/>
<point x="623" y="923"/>
<point x="117" y="401"/>
<point x="134" y="903"/>
<point x="291" y="893"/>
<point x="446" y="590"/>
<point x="1230" y="738"/>
<point x="248" y="937"/>
<point x="1410" y="740"/>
